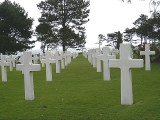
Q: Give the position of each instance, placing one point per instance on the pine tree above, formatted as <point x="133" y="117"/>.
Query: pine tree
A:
<point x="66" y="19"/>
<point x="15" y="28"/>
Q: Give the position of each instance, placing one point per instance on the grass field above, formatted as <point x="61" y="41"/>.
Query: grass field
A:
<point x="79" y="93"/>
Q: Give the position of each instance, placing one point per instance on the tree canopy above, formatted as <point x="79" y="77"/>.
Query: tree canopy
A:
<point x="15" y="28"/>
<point x="64" y="23"/>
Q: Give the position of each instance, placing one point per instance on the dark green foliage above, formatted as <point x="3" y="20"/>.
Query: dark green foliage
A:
<point x="119" y="39"/>
<point x="115" y="38"/>
<point x="80" y="93"/>
<point x="66" y="19"/>
<point x="15" y="28"/>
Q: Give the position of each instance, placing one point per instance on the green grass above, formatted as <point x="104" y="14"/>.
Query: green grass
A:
<point x="79" y="93"/>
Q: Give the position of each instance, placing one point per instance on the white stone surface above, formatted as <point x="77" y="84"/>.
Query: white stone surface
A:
<point x="58" y="58"/>
<point x="48" y="61"/>
<point x="74" y="54"/>
<point x="11" y="62"/>
<point x="125" y="63"/>
<point x="4" y="65"/>
<point x="94" y="57"/>
<point x="90" y="53"/>
<point x="69" y="57"/>
<point x="63" y="60"/>
<point x="42" y="56"/>
<point x="85" y="54"/>
<point x="105" y="58"/>
<point x="27" y="67"/>
<point x="147" y="54"/>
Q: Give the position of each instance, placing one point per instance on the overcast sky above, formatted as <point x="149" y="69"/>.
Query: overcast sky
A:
<point x="106" y="16"/>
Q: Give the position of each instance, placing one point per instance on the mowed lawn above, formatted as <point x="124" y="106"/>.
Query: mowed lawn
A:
<point x="79" y="93"/>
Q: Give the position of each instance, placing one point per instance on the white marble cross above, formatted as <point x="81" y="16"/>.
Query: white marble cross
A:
<point x="94" y="57"/>
<point x="147" y="54"/>
<point x="85" y="54"/>
<point x="69" y="57"/>
<point x="125" y="63"/>
<point x="27" y="67"/>
<point x="105" y="58"/>
<point x="90" y="53"/>
<point x="48" y="61"/>
<point x="42" y="56"/>
<point x="63" y="60"/>
<point x="4" y="65"/>
<point x="10" y="60"/>
<point x="58" y="58"/>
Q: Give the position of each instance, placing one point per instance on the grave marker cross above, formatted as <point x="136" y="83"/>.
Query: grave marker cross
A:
<point x="125" y="63"/>
<point x="4" y="65"/>
<point x="58" y="58"/>
<point x="147" y="54"/>
<point x="105" y="58"/>
<point x="48" y="61"/>
<point x="27" y="67"/>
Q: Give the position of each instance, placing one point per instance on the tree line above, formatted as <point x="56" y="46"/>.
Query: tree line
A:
<point x="61" y="23"/>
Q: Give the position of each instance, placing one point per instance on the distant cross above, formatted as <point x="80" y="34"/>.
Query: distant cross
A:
<point x="147" y="54"/>
<point x="125" y="63"/>
<point x="4" y="65"/>
<point x="105" y="58"/>
<point x="10" y="60"/>
<point x="27" y="67"/>
<point x="90" y="53"/>
<point x="58" y="58"/>
<point x="48" y="61"/>
<point x="41" y="58"/>
<point x="94" y="57"/>
<point x="63" y="60"/>
<point x="68" y="53"/>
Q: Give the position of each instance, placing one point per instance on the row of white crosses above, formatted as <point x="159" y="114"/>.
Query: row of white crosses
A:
<point x="27" y="68"/>
<point x="125" y="63"/>
<point x="10" y="61"/>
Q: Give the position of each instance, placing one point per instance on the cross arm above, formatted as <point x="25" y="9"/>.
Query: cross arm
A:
<point x="142" y="52"/>
<point x="35" y="67"/>
<point x="19" y="67"/>
<point x="136" y="63"/>
<point x="152" y="52"/>
<point x="115" y="63"/>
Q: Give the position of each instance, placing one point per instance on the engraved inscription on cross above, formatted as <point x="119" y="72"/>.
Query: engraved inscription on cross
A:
<point x="125" y="63"/>
<point x="28" y="67"/>
<point x="147" y="54"/>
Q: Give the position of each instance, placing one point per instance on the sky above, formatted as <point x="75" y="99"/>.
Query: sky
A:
<point x="106" y="16"/>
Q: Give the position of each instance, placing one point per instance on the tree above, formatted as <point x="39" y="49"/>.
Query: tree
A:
<point x="112" y="39"/>
<point x="15" y="28"/>
<point x="66" y="19"/>
<point x="119" y="39"/>
<point x="141" y="26"/>
<point x="101" y="38"/>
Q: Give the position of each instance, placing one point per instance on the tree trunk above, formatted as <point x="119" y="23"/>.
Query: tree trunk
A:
<point x="141" y="39"/>
<point x="64" y="48"/>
